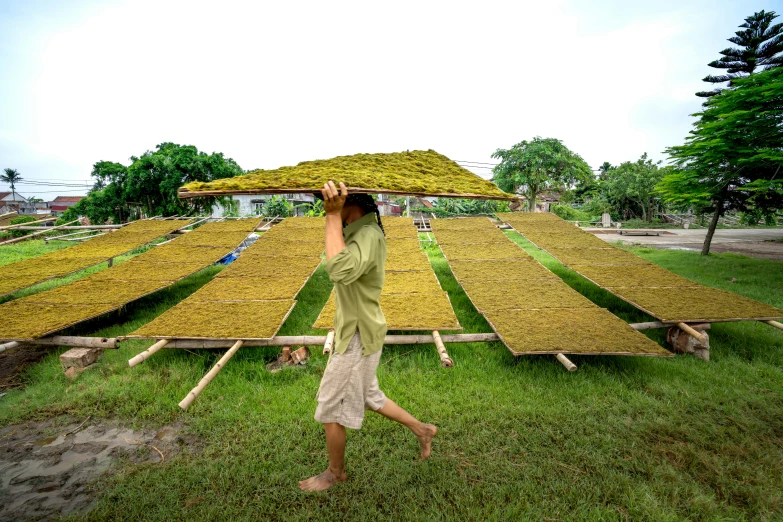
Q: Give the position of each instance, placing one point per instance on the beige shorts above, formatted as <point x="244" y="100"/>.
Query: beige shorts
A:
<point x="349" y="387"/>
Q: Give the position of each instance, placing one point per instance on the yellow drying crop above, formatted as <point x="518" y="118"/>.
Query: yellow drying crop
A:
<point x="219" y="320"/>
<point x="413" y="172"/>
<point x="631" y="275"/>
<point x="25" y="321"/>
<point x="487" y="296"/>
<point x="499" y="250"/>
<point x="563" y="330"/>
<point x="249" y="289"/>
<point x="421" y="282"/>
<point x="596" y="256"/>
<point x="517" y="269"/>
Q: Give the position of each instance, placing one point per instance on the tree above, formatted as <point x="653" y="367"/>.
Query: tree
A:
<point x="604" y="169"/>
<point x="530" y="167"/>
<point x="12" y="177"/>
<point x="636" y="181"/>
<point x="150" y="183"/>
<point x="733" y="157"/>
<point x="760" y="44"/>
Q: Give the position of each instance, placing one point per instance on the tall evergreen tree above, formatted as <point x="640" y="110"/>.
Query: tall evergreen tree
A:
<point x="760" y="42"/>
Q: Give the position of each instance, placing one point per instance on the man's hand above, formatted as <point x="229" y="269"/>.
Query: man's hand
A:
<point x="334" y="200"/>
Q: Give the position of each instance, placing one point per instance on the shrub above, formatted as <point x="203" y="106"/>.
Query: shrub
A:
<point x="18" y="221"/>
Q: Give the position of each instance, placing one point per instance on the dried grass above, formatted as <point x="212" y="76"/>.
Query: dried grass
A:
<point x="303" y="222"/>
<point x="278" y="247"/>
<point x="562" y="330"/>
<point x="89" y="291"/>
<point x="596" y="256"/>
<point x="230" y="240"/>
<point x="422" y="282"/>
<point x="271" y="266"/>
<point x="249" y="289"/>
<point x="480" y="223"/>
<point x="499" y="250"/>
<point x="26" y="321"/>
<point x="631" y="275"/>
<point x="139" y="269"/>
<point x="519" y="269"/>
<point x="410" y="247"/>
<point x="219" y="320"/>
<point x="405" y="312"/>
<point x="295" y="234"/>
<point x="547" y="240"/>
<point x="691" y="304"/>
<point x="498" y="295"/>
<point x="413" y="172"/>
<point x="400" y="232"/>
<point x="401" y="261"/>
<point x="246" y="225"/>
<point x="172" y="253"/>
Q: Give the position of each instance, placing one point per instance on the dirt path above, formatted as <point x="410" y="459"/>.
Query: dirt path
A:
<point x="48" y="469"/>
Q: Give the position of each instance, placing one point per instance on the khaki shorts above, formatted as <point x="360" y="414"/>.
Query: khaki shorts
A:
<point x="349" y="387"/>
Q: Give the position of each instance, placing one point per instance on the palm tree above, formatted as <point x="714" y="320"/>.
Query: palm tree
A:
<point x="11" y="176"/>
<point x="760" y="43"/>
<point x="603" y="169"/>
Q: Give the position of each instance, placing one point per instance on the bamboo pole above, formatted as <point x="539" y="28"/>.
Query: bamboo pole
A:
<point x="329" y="342"/>
<point x="775" y="324"/>
<point x="445" y="360"/>
<point x="73" y="227"/>
<point x="9" y="227"/>
<point x="649" y="326"/>
<point x="16" y="240"/>
<point x="320" y="340"/>
<point x="47" y="239"/>
<point x="146" y="354"/>
<point x="571" y="367"/>
<point x="79" y="342"/>
<point x="699" y="336"/>
<point x="188" y="400"/>
<point x="8" y="346"/>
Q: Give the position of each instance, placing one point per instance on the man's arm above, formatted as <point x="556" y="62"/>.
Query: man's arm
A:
<point x="333" y="205"/>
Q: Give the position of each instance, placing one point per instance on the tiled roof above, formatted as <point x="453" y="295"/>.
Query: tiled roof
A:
<point x="68" y="199"/>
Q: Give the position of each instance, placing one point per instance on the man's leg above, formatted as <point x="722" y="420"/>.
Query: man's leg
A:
<point x="423" y="432"/>
<point x="335" y="443"/>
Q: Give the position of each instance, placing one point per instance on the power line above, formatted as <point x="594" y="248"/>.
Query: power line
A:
<point x="477" y="162"/>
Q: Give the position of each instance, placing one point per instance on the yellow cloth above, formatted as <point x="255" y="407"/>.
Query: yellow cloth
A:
<point x="357" y="273"/>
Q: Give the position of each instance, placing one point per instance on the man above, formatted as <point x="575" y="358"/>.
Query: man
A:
<point x="355" y="259"/>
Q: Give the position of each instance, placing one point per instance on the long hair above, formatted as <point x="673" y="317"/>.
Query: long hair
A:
<point x="367" y="203"/>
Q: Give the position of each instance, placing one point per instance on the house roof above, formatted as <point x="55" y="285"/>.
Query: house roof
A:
<point x="58" y="208"/>
<point x="3" y="195"/>
<point x="417" y="172"/>
<point x="68" y="199"/>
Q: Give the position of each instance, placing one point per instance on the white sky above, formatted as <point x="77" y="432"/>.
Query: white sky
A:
<point x="276" y="83"/>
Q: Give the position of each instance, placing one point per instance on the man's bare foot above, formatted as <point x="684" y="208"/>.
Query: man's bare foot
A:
<point x="425" y="435"/>
<point x="323" y="481"/>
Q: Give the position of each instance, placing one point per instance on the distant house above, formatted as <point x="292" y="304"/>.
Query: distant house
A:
<point x="62" y="203"/>
<point x="10" y="202"/>
<point x="244" y="205"/>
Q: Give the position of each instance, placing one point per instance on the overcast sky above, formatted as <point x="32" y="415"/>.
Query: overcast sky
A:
<point x="275" y="83"/>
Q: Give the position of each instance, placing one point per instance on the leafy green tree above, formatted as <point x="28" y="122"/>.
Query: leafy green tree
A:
<point x="445" y="207"/>
<point x="604" y="169"/>
<point x="150" y="184"/>
<point x="636" y="181"/>
<point x="733" y="157"/>
<point x="12" y="177"/>
<point x="278" y="206"/>
<point x="531" y="167"/>
<point x="19" y="220"/>
<point x="760" y="44"/>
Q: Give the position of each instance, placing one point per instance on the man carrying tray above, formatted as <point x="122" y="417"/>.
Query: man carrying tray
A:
<point x="355" y="259"/>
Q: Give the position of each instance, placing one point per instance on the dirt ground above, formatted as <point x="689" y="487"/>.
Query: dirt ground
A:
<point x="13" y="361"/>
<point x="50" y="468"/>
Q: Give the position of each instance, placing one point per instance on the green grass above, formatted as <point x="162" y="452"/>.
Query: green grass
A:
<point x="520" y="438"/>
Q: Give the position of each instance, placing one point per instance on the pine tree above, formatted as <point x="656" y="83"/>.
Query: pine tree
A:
<point x="760" y="42"/>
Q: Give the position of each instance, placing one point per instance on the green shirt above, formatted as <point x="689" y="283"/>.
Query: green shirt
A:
<point x="357" y="273"/>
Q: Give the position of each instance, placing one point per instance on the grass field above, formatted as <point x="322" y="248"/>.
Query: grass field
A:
<point x="620" y="439"/>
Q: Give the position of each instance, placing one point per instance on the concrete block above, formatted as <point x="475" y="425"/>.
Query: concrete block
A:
<point x="80" y="357"/>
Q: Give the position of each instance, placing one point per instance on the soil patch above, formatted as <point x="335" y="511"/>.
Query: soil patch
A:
<point x="50" y="469"/>
<point x="15" y="360"/>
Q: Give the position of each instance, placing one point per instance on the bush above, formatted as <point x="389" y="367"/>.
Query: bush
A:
<point x="18" y="221"/>
<point x="573" y="214"/>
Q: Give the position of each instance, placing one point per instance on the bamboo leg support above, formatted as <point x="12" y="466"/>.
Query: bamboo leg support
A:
<point x="329" y="342"/>
<point x="146" y="354"/>
<point x="8" y="346"/>
<point x="775" y="324"/>
<point x="445" y="360"/>
<point x="188" y="400"/>
<point x="571" y="367"/>
<point x="693" y="333"/>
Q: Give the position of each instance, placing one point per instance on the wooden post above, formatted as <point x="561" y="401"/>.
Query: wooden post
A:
<point x="79" y="342"/>
<point x="693" y="333"/>
<point x="445" y="360"/>
<point x="188" y="400"/>
<point x="775" y="324"/>
<point x="146" y="354"/>
<point x="111" y="262"/>
<point x="16" y="240"/>
<point x="8" y="346"/>
<point x="329" y="342"/>
<point x="571" y="367"/>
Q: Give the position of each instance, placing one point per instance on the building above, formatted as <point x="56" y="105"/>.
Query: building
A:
<point x="243" y="205"/>
<point x="10" y="202"/>
<point x="62" y="203"/>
